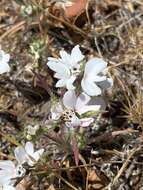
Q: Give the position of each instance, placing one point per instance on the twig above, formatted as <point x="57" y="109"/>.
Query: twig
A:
<point x="65" y="181"/>
<point x="68" y="24"/>
<point x="6" y="156"/>
<point x="125" y="164"/>
<point x="12" y="30"/>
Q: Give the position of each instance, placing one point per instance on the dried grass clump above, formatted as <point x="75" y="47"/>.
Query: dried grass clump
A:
<point x="134" y="109"/>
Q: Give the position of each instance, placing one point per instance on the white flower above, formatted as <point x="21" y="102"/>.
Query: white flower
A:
<point x="66" y="67"/>
<point x="81" y="105"/>
<point x="4" y="59"/>
<point x="8" y="173"/>
<point x="94" y="77"/>
<point x="74" y="106"/>
<point x="27" y="154"/>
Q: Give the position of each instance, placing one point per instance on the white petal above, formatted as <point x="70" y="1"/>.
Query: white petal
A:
<point x="20" y="155"/>
<point x="85" y="122"/>
<point x="61" y="83"/>
<point x="85" y="103"/>
<point x="60" y="68"/>
<point x="95" y="78"/>
<point x="6" y="58"/>
<point x="5" y="177"/>
<point x="90" y="88"/>
<point x="76" y="54"/>
<point x="7" y="165"/>
<point x="4" y="67"/>
<point x="69" y="99"/>
<point x="35" y="157"/>
<point x="75" y="122"/>
<point x="7" y="171"/>
<point x="38" y="154"/>
<point x="29" y="148"/>
<point x="31" y="162"/>
<point x="69" y="83"/>
<point x="82" y="100"/>
<point x="66" y="58"/>
<point x="95" y="65"/>
<point x="58" y="75"/>
<point x="8" y="187"/>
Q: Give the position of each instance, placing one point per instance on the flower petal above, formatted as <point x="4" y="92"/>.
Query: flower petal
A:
<point x="75" y="121"/>
<point x="7" y="165"/>
<point x="66" y="58"/>
<point x="76" y="55"/>
<point x="4" y="67"/>
<point x="61" y="83"/>
<point x="38" y="154"/>
<point x="20" y="155"/>
<point x="82" y="100"/>
<point x="7" y="171"/>
<point x="69" y="83"/>
<point x="59" y="68"/>
<point x="90" y="88"/>
<point x="95" y="66"/>
<point x="8" y="187"/>
<point x="85" y="122"/>
<point x="29" y="148"/>
<point x="96" y="78"/>
<point x="5" y="177"/>
<point x="58" y="75"/>
<point x="6" y="58"/>
<point x="69" y="99"/>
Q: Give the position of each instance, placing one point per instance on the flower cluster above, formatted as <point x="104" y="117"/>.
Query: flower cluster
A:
<point x="83" y="84"/>
<point x="9" y="172"/>
<point x="69" y="69"/>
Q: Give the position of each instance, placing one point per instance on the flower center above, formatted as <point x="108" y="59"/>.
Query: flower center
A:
<point x="67" y="115"/>
<point x="75" y="71"/>
<point x="20" y="171"/>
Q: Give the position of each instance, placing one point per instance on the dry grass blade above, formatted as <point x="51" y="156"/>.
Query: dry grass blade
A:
<point x="134" y="108"/>
<point x="13" y="30"/>
<point x="125" y="164"/>
<point x="66" y="182"/>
